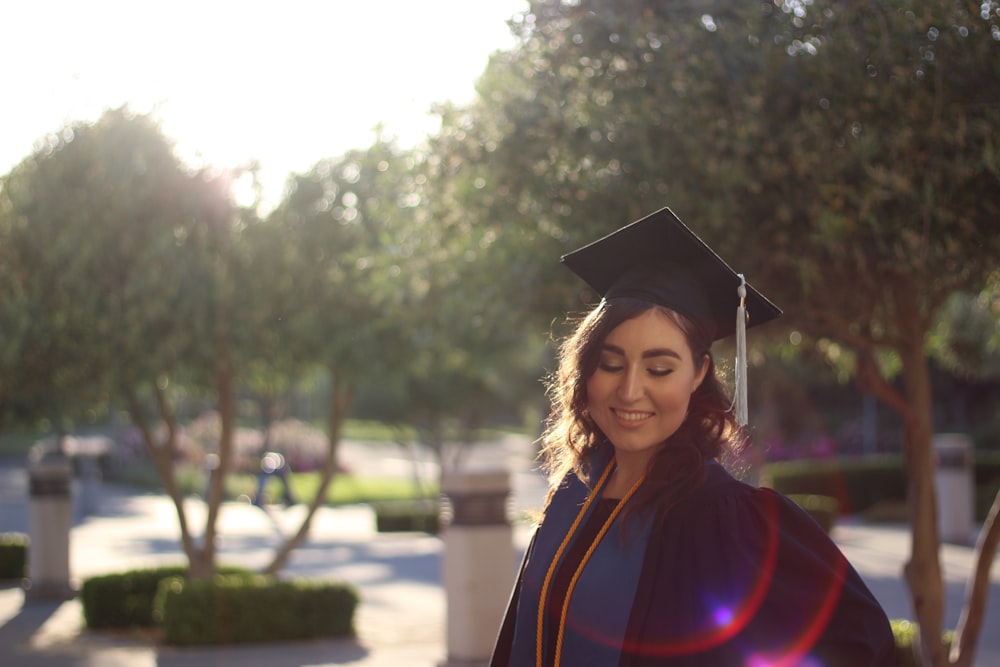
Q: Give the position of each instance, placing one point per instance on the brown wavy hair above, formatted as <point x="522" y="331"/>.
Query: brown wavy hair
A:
<point x="571" y="437"/>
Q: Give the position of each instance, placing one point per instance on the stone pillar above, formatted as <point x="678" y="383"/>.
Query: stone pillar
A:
<point x="478" y="552"/>
<point x="955" y="487"/>
<point x="50" y="518"/>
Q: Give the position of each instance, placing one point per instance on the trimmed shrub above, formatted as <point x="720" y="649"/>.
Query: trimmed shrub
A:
<point x="856" y="484"/>
<point x="13" y="556"/>
<point x="823" y="509"/>
<point x="871" y="485"/>
<point x="242" y="610"/>
<point x="125" y="600"/>
<point x="407" y="516"/>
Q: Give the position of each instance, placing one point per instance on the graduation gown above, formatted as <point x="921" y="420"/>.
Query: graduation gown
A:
<point x="735" y="575"/>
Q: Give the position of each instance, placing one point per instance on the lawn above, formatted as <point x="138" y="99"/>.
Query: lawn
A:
<point x="345" y="489"/>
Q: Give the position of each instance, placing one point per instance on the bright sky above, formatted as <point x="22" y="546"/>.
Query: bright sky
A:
<point x="287" y="82"/>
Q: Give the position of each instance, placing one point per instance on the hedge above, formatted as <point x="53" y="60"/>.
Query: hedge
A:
<point x="13" y="556"/>
<point x="861" y="484"/>
<point x="240" y="610"/>
<point x="125" y="600"/>
<point x="421" y="515"/>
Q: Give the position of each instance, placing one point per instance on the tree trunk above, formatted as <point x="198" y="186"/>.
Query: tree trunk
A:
<point x="203" y="567"/>
<point x="923" y="570"/>
<point x="162" y="456"/>
<point x="341" y="398"/>
<point x="963" y="650"/>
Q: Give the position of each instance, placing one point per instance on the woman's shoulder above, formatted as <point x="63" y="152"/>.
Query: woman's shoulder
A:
<point x="718" y="490"/>
<point x="732" y="506"/>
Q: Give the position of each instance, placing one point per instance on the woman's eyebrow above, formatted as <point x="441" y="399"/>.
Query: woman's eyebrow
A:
<point x="648" y="354"/>
<point x="660" y="352"/>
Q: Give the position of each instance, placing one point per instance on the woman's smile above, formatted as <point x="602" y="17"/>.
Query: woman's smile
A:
<point x="631" y="416"/>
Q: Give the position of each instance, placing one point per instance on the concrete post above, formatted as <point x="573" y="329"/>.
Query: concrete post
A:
<point x="478" y="552"/>
<point x="955" y="487"/>
<point x="50" y="518"/>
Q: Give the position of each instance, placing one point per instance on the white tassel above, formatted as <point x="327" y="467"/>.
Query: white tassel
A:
<point x="741" y="355"/>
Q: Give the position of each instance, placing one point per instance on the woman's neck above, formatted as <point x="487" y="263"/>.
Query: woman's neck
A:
<point x="629" y="469"/>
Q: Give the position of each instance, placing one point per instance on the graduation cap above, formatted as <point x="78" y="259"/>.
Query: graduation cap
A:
<point x="658" y="259"/>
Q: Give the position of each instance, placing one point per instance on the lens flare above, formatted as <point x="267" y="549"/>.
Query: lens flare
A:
<point x="724" y="620"/>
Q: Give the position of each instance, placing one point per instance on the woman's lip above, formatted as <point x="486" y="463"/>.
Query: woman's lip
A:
<point x="631" y="416"/>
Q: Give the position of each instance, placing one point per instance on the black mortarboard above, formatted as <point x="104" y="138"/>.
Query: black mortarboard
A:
<point x="658" y="259"/>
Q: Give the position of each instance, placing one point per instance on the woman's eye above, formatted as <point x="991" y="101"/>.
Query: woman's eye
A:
<point x="660" y="372"/>
<point x="609" y="367"/>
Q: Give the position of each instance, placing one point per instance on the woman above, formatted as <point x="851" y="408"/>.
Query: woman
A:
<point x="649" y="552"/>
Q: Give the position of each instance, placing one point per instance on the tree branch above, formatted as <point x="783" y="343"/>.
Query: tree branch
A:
<point x="341" y="398"/>
<point x="162" y="457"/>
<point x="963" y="649"/>
<point x="870" y="381"/>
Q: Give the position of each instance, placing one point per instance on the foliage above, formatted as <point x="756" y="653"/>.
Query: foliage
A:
<point x="126" y="599"/>
<point x="424" y="345"/>
<point x="966" y="335"/>
<point x="13" y="555"/>
<point x="241" y="610"/>
<point x="856" y="484"/>
<point x="95" y="274"/>
<point x="123" y="263"/>
<point x="872" y="486"/>
<point x="793" y="118"/>
<point x="407" y="516"/>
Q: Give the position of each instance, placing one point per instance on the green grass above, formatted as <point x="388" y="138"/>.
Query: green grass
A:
<point x="344" y="489"/>
<point x="359" y="429"/>
<point x="352" y="489"/>
<point x="374" y="431"/>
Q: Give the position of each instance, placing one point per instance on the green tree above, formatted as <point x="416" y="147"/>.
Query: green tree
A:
<point x="843" y="152"/>
<point x="397" y="302"/>
<point x="121" y="246"/>
<point x="337" y="304"/>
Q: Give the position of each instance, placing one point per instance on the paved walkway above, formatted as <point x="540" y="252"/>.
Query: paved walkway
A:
<point x="401" y="618"/>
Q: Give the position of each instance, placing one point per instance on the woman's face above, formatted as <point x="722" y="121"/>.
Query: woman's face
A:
<point x="640" y="391"/>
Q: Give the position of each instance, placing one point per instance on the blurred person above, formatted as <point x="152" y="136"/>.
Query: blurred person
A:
<point x="272" y="464"/>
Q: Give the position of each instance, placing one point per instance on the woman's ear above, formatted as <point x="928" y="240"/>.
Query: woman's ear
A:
<point x="701" y="373"/>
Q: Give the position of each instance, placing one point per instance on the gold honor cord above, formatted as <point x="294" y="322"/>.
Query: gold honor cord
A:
<point x="579" y="570"/>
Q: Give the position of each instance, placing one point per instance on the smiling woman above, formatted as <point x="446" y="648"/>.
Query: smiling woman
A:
<point x="285" y="84"/>
<point x="649" y="551"/>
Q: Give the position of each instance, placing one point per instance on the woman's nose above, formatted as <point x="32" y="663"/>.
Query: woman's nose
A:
<point x="630" y="387"/>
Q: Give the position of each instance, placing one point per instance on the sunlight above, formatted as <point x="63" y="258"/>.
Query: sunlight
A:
<point x="286" y="84"/>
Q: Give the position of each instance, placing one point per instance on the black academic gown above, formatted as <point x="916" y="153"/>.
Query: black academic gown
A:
<point x="735" y="576"/>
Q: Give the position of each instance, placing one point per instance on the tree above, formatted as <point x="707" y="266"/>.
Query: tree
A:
<point x="132" y="245"/>
<point x="406" y="317"/>
<point x="843" y="152"/>
<point x="341" y="304"/>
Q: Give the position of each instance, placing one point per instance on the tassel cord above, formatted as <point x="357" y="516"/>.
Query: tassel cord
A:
<point x="742" y="408"/>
